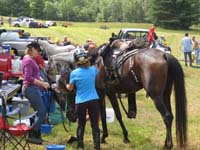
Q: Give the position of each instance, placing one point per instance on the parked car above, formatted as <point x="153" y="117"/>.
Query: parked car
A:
<point x="35" y="24"/>
<point x="22" y="21"/>
<point x="50" y="23"/>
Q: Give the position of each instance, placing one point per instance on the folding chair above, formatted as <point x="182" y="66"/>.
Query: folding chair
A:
<point x="13" y="135"/>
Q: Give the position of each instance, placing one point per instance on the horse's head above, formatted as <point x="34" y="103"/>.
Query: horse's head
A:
<point x="51" y="69"/>
<point x="68" y="96"/>
<point x="46" y="46"/>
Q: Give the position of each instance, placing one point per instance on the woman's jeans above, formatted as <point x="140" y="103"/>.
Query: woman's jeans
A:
<point x="33" y="94"/>
<point x="189" y="54"/>
<point x="197" y="55"/>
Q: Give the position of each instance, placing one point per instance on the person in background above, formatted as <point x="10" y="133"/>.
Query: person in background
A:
<point x="163" y="40"/>
<point x="89" y="45"/>
<point x="50" y="40"/>
<point x="196" y="49"/>
<point x="31" y="90"/>
<point x="9" y="21"/>
<point x="1" y="20"/>
<point x="83" y="78"/>
<point x="65" y="41"/>
<point x="187" y="48"/>
<point x="57" y="42"/>
<point x="40" y="61"/>
<point x="151" y="36"/>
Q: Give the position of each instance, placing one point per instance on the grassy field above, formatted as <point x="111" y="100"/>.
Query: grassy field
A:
<point x="147" y="131"/>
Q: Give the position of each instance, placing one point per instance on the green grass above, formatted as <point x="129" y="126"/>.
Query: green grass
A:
<point x="147" y="131"/>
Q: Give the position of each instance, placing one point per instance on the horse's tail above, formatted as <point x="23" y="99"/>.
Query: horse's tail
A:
<point x="177" y="75"/>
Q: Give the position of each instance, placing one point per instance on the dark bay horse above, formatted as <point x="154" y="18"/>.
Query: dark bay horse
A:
<point x="155" y="71"/>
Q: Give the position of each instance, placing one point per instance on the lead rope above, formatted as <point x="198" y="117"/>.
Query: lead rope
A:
<point x="62" y="116"/>
<point x="119" y="96"/>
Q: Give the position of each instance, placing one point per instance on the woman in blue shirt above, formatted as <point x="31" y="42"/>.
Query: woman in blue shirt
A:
<point x="83" y="78"/>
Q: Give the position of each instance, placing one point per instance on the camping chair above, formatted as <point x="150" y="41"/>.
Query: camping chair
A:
<point x="13" y="135"/>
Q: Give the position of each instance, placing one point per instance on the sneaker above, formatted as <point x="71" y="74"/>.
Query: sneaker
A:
<point x="34" y="140"/>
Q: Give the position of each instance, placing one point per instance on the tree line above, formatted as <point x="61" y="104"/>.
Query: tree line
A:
<point x="179" y="14"/>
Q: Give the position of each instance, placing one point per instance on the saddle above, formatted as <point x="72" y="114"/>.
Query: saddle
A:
<point x="118" y="58"/>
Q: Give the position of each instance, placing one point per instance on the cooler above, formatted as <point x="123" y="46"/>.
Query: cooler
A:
<point x="23" y="104"/>
<point x="5" y="62"/>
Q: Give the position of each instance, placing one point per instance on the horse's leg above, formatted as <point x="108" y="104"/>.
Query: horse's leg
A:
<point x="132" y="108"/>
<point x="167" y="118"/>
<point x="102" y="107"/>
<point x="167" y="94"/>
<point x="115" y="105"/>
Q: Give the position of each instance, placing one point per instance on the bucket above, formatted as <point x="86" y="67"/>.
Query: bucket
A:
<point x="55" y="147"/>
<point x="46" y="128"/>
<point x="110" y="116"/>
<point x="1" y="78"/>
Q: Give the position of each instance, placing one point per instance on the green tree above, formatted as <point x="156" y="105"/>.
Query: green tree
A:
<point x="180" y="14"/>
<point x="50" y="11"/>
<point x="36" y="9"/>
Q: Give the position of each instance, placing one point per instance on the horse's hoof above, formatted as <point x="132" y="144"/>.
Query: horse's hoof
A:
<point x="167" y="147"/>
<point x="72" y="139"/>
<point x="126" y="140"/>
<point x="131" y="114"/>
<point x="103" y="141"/>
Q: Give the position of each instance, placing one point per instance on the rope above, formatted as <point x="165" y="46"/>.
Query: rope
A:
<point x="119" y="96"/>
<point x="63" y="117"/>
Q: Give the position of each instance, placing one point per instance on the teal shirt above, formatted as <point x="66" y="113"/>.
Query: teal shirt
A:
<point x="84" y="80"/>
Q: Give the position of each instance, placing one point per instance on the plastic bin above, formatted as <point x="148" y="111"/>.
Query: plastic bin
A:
<point x="110" y="116"/>
<point x="23" y="104"/>
<point x="46" y="128"/>
<point x="55" y="147"/>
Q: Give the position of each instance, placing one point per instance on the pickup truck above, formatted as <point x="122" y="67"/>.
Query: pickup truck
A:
<point x="132" y="33"/>
<point x="140" y="37"/>
<point x="16" y="43"/>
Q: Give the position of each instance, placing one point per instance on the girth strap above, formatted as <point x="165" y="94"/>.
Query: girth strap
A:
<point x="131" y="63"/>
